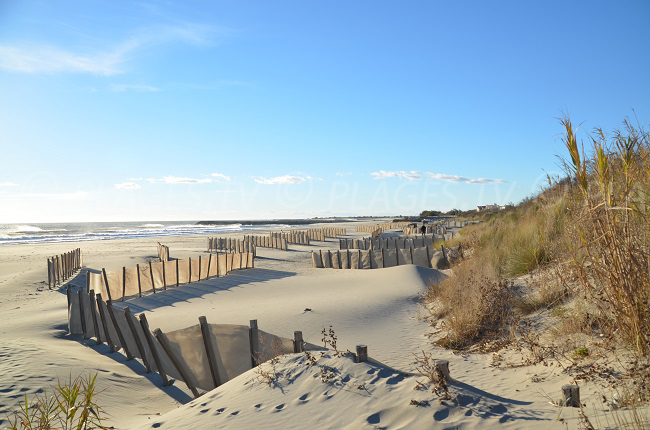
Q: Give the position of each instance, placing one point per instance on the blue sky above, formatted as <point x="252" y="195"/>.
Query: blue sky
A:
<point x="255" y="109"/>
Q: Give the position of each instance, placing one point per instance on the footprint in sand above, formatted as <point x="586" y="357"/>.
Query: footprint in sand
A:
<point x="219" y="411"/>
<point x="374" y="418"/>
<point x="441" y="415"/>
<point x="204" y="410"/>
<point x="303" y="399"/>
<point x="278" y="408"/>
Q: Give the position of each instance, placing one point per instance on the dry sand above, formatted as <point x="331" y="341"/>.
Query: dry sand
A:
<point x="379" y="308"/>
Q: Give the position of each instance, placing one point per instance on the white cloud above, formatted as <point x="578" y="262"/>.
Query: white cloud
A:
<point x="411" y="176"/>
<point x="343" y="173"/>
<point x="415" y="175"/>
<point x="179" y="180"/>
<point x="8" y="184"/>
<point x="104" y="62"/>
<point x="286" y="179"/>
<point x="122" y="88"/>
<point x="220" y="176"/>
<point x="127" y="186"/>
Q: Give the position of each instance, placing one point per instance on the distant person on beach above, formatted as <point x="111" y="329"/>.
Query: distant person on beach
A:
<point x="423" y="229"/>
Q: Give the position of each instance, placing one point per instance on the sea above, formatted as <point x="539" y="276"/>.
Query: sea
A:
<point x="16" y="234"/>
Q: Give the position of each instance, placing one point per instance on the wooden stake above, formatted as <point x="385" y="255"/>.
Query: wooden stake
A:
<point x="118" y="330"/>
<point x="104" y="319"/>
<point x="108" y="289"/>
<point x="88" y="281"/>
<point x="164" y="276"/>
<point x="93" y="312"/>
<point x="177" y="272"/>
<point x="298" y="343"/>
<point x="82" y="313"/>
<point x="362" y="354"/>
<point x="570" y="396"/>
<point x="152" y="348"/>
<point x="137" y="268"/>
<point x="138" y="342"/>
<point x="253" y="336"/>
<point x="153" y="283"/>
<point x="123" y="282"/>
<point x="190" y="278"/>
<point x="164" y="342"/>
<point x="209" y="350"/>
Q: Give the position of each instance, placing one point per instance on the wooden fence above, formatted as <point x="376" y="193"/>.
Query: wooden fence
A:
<point x="321" y="234"/>
<point x="228" y="244"/>
<point x="425" y="256"/>
<point x="132" y="282"/>
<point x="267" y="242"/>
<point x="61" y="267"/>
<point x="389" y="242"/>
<point x="203" y="356"/>
<point x="385" y="226"/>
<point x="294" y="236"/>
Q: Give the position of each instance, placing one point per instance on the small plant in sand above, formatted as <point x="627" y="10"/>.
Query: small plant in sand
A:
<point x="71" y="406"/>
<point x="426" y="365"/>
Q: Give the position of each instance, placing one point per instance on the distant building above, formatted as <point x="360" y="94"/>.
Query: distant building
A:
<point x="494" y="207"/>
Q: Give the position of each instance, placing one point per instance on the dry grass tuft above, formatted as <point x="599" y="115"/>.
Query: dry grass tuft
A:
<point x="473" y="302"/>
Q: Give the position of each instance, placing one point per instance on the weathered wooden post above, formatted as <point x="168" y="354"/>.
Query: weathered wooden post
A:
<point x="108" y="289"/>
<point x="254" y="337"/>
<point x="118" y="330"/>
<point x="298" y="343"/>
<point x="362" y="354"/>
<point x="442" y="367"/>
<point x="210" y="351"/>
<point x="164" y="342"/>
<point x="152" y="347"/>
<point x="570" y="396"/>
<point x="138" y="342"/>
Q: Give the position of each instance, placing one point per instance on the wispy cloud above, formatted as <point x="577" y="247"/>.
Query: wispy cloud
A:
<point x="122" y="88"/>
<point x="109" y="61"/>
<point x="179" y="180"/>
<point x="127" y="186"/>
<point x="341" y="174"/>
<point x="8" y="184"/>
<point x="220" y="176"/>
<point x="415" y="175"/>
<point x="285" y="179"/>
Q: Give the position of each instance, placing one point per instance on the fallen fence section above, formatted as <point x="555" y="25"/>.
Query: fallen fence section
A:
<point x="203" y="356"/>
<point x="424" y="256"/>
<point x="61" y="267"/>
<point x="163" y="252"/>
<point x="297" y="237"/>
<point x="228" y="244"/>
<point x="135" y="281"/>
<point x="267" y="242"/>
<point x="385" y="226"/>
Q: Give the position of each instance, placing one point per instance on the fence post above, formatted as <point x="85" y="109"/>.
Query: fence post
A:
<point x="137" y="269"/>
<point x="104" y="319"/>
<point x="253" y="335"/>
<point x="118" y="330"/>
<point x="123" y="282"/>
<point x="209" y="350"/>
<point x="108" y="288"/>
<point x="93" y="311"/>
<point x="88" y="281"/>
<point x="570" y="396"/>
<point x="164" y="342"/>
<point x="298" y="343"/>
<point x="362" y="354"/>
<point x="82" y="314"/>
<point x="138" y="341"/>
<point x="152" y="347"/>
<point x="153" y="283"/>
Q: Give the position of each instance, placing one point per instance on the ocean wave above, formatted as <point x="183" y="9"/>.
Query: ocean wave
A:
<point x="82" y="233"/>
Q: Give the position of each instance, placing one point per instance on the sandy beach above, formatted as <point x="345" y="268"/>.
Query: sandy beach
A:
<point x="379" y="308"/>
